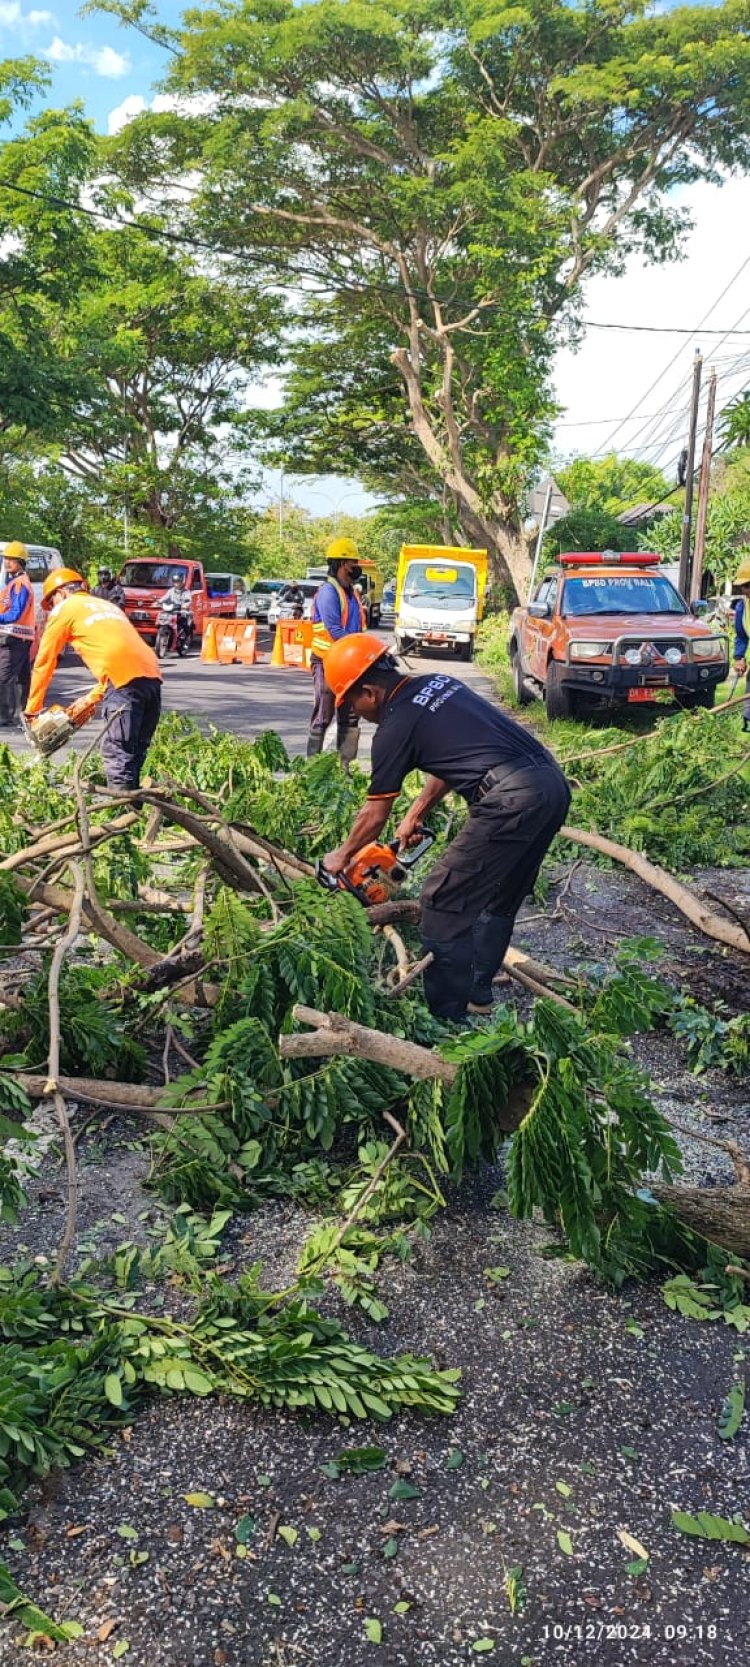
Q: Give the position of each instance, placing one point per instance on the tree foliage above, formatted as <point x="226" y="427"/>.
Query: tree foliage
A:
<point x="437" y="186"/>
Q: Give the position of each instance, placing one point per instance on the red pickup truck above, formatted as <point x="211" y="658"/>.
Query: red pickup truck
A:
<point x="145" y="582"/>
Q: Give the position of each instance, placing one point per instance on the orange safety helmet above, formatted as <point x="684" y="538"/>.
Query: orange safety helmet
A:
<point x="348" y="659"/>
<point x="56" y="579"/>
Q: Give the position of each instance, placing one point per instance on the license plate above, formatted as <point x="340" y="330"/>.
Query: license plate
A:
<point x="649" y="694"/>
<point x="138" y="614"/>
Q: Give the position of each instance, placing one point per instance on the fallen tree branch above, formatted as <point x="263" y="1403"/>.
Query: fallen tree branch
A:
<point x="401" y="969"/>
<point x="412" y="975"/>
<point x="59" y="899"/>
<point x="66" y="845"/>
<point x="334" y="1035"/>
<point x="719" y="1214"/>
<point x="686" y="901"/>
<point x="114" y="1096"/>
<point x="63" y="948"/>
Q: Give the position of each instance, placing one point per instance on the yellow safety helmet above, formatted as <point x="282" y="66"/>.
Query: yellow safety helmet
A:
<point x="56" y="579"/>
<point x="16" y="551"/>
<point x="342" y="549"/>
<point x="742" y="576"/>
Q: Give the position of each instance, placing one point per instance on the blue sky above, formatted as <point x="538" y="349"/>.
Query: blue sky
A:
<point x="89" y="58"/>
<point x="624" y="390"/>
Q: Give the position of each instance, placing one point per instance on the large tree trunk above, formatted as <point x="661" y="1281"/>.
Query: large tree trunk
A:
<point x="721" y="1214"/>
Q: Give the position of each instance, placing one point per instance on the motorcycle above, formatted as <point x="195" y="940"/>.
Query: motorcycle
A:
<point x="173" y="631"/>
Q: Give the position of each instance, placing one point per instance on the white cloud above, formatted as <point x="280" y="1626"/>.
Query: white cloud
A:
<point x="132" y="106"/>
<point x="103" y="60"/>
<point x="190" y="104"/>
<point x="12" y="16"/>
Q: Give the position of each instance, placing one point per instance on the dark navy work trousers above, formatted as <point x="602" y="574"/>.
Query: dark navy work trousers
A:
<point x="129" y="735"/>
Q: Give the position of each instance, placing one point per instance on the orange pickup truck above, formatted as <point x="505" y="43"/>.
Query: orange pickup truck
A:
<point x="610" y="629"/>
<point x="146" y="581"/>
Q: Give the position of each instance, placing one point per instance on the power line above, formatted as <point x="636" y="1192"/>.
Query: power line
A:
<point x="164" y="234"/>
<point x="673" y="360"/>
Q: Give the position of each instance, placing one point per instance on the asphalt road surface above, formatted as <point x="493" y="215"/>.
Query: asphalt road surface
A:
<point x="241" y="699"/>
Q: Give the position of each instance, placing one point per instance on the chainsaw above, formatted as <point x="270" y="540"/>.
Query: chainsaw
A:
<point x="51" y="729"/>
<point x="375" y="870"/>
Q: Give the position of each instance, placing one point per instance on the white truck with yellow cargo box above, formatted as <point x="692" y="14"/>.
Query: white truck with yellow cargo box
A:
<point x="439" y="598"/>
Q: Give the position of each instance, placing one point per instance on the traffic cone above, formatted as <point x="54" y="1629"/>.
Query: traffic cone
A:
<point x="208" y="646"/>
<point x="277" y="657"/>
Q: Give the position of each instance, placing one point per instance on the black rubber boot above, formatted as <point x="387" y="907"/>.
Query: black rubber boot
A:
<point x="315" y="741"/>
<point x="491" y="936"/>
<point x="447" y="981"/>
<point x="348" y="745"/>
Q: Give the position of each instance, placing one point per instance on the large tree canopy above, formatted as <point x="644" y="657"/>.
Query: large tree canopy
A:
<point x="434" y="179"/>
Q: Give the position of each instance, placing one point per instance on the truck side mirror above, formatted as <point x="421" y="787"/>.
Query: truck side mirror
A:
<point x="539" y="610"/>
<point x="698" y="608"/>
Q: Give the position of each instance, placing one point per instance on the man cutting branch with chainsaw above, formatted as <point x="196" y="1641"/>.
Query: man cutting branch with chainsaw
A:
<point x="517" y="794"/>
<point x="112" y="649"/>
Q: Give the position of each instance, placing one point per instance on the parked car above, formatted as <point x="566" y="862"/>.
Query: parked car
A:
<point x="229" y="584"/>
<point x="259" y="596"/>
<point x="43" y="558"/>
<point x="388" y="606"/>
<point x="280" y="606"/>
<point x="611" y="629"/>
<point x="145" y="582"/>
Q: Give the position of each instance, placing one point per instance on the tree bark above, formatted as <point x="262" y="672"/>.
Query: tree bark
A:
<point x="721" y="1214"/>
<point x="707" y="920"/>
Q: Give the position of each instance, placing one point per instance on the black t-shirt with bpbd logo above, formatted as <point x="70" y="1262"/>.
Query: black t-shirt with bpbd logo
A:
<point x="439" y="725"/>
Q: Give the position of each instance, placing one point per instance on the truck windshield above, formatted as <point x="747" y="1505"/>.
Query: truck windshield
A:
<point x="152" y="575"/>
<point x="639" y="593"/>
<point x="219" y="584"/>
<point x="433" y="586"/>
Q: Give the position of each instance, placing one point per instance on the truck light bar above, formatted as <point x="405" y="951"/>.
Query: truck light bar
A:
<point x="608" y="558"/>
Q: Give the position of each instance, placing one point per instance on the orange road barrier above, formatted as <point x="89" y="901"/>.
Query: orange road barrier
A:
<point x="235" y="641"/>
<point x="292" y="644"/>
<point x="208" y="643"/>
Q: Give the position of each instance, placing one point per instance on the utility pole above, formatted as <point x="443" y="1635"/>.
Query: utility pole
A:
<point x="541" y="533"/>
<point x="696" y="577"/>
<point x="281" y="507"/>
<point x="687" y="518"/>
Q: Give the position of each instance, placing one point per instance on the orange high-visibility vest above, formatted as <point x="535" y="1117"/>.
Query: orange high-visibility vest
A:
<point x="22" y="627"/>
<point x="321" y="637"/>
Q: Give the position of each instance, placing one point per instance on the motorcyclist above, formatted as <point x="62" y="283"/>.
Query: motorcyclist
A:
<point x="177" y="600"/>
<point x="109" y="588"/>
<point x="294" y="598"/>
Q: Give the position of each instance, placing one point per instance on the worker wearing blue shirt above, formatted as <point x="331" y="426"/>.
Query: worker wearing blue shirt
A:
<point x="336" y="613"/>
<point x="17" y="626"/>
<point x="742" y="632"/>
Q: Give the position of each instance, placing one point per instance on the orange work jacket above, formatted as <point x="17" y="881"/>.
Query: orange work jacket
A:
<point x="105" y="639"/>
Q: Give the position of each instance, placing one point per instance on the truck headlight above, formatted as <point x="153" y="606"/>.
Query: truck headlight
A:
<point x="588" y="650"/>
<point x="709" y="648"/>
<point x="673" y="655"/>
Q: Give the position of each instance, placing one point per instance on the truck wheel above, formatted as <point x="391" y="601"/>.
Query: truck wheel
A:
<point x="560" y="701"/>
<point x="465" y="651"/>
<point x="523" y="698"/>
<point x="374" y="616"/>
<point x="697" y="697"/>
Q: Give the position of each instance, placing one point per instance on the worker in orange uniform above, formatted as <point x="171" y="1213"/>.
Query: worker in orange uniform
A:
<point x="113" y="651"/>
<point x="17" y="624"/>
